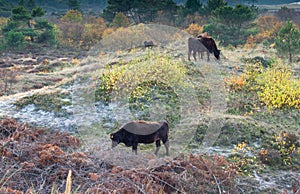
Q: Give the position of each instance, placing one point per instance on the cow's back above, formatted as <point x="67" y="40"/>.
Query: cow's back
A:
<point x="143" y="127"/>
<point x="195" y="45"/>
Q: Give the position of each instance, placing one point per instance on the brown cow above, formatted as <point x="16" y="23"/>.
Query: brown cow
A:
<point x="195" y="46"/>
<point x="203" y="43"/>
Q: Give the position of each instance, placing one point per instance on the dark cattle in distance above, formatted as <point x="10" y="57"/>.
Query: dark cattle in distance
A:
<point x="135" y="132"/>
<point x="148" y="43"/>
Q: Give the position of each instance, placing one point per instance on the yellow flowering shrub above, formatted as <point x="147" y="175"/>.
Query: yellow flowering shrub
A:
<point x="278" y="89"/>
<point x="194" y="29"/>
<point x="275" y="85"/>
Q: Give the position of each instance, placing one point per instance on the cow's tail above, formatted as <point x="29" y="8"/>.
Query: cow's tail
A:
<point x="166" y="130"/>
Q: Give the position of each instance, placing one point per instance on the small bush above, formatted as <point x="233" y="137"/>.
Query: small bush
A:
<point x="72" y="16"/>
<point x="268" y="27"/>
<point x="244" y="159"/>
<point x="15" y="39"/>
<point x="51" y="102"/>
<point x="271" y="157"/>
<point x="105" y="84"/>
<point x="260" y="60"/>
<point x="152" y="92"/>
<point x="120" y="20"/>
<point x="47" y="36"/>
<point x="151" y="84"/>
<point x="93" y="30"/>
<point x="3" y="21"/>
<point x="278" y="89"/>
<point x="282" y="149"/>
<point x="273" y="84"/>
<point x="194" y="29"/>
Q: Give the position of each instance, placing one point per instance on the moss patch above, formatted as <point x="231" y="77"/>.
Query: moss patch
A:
<point x="234" y="131"/>
<point x="49" y="102"/>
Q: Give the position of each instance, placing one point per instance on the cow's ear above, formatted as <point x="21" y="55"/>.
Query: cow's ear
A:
<point x="111" y="136"/>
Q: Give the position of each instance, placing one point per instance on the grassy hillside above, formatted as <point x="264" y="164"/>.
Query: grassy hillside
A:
<point x="224" y="133"/>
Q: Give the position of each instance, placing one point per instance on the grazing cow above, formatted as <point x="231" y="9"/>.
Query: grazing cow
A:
<point x="195" y="46"/>
<point x="148" y="43"/>
<point x="135" y="132"/>
<point x="210" y="44"/>
<point x="203" y="43"/>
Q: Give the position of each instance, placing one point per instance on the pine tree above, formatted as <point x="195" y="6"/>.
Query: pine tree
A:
<point x="140" y="10"/>
<point x="212" y="5"/>
<point x="192" y="6"/>
<point x="120" y="20"/>
<point x="27" y="23"/>
<point x="37" y="12"/>
<point x="232" y="25"/>
<point x="31" y="4"/>
<point x="21" y="3"/>
<point x="288" y="41"/>
<point x="74" y="4"/>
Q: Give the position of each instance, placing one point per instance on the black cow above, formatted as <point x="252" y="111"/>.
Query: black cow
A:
<point x="209" y="43"/>
<point x="148" y="43"/>
<point x="135" y="132"/>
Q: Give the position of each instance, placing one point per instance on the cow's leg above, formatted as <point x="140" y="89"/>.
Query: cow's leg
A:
<point x="157" y="146"/>
<point x="166" y="143"/>
<point x="207" y="56"/>
<point x="201" y="53"/>
<point x="189" y="55"/>
<point x="167" y="147"/>
<point x="134" y="147"/>
<point x="194" y="55"/>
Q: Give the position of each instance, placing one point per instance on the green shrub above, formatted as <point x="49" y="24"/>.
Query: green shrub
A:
<point x="146" y="82"/>
<point x="244" y="159"/>
<point x="151" y="92"/>
<point x="47" y="36"/>
<point x="105" y="85"/>
<point x="15" y="39"/>
<point x="51" y="102"/>
<point x="282" y="150"/>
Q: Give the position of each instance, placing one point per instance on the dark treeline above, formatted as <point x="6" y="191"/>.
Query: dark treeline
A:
<point x="79" y="25"/>
<point x="62" y="4"/>
<point x="57" y="4"/>
<point x="258" y="2"/>
<point x="99" y="5"/>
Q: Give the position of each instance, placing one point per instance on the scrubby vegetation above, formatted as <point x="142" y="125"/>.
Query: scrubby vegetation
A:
<point x="28" y="152"/>
<point x="45" y="69"/>
<point x="270" y="83"/>
<point x="145" y="81"/>
<point x="51" y="102"/>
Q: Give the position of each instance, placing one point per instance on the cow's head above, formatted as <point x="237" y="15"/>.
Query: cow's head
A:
<point x="217" y="53"/>
<point x="115" y="140"/>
